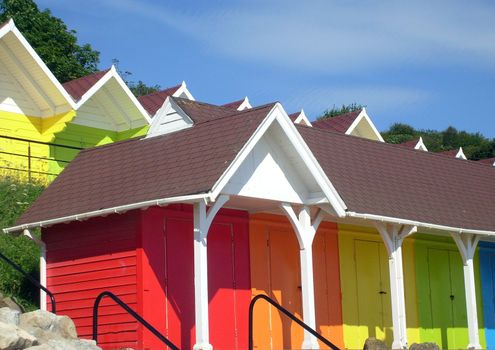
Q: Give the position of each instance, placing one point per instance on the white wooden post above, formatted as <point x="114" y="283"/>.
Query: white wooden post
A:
<point x="202" y="223"/>
<point x="393" y="236"/>
<point x="43" y="279"/>
<point x="467" y="243"/>
<point x="305" y="232"/>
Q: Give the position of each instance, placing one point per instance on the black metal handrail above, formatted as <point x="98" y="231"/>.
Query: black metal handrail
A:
<point x="31" y="159"/>
<point x="286" y="313"/>
<point x="32" y="280"/>
<point x="129" y="311"/>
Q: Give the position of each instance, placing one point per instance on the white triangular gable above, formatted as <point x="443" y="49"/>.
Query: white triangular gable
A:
<point x="169" y="118"/>
<point x="364" y="127"/>
<point x="302" y="119"/>
<point x="276" y="164"/>
<point x="109" y="104"/>
<point x="460" y="154"/>
<point x="27" y="86"/>
<point x="421" y="145"/>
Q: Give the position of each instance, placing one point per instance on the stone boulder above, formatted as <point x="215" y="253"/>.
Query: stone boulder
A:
<point x="374" y="344"/>
<point x="424" y="346"/>
<point x="9" y="316"/>
<point x="46" y="326"/>
<point x="10" y="303"/>
<point x="64" y="344"/>
<point x="14" y="338"/>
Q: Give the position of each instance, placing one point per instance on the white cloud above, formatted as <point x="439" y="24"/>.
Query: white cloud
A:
<point x="329" y="36"/>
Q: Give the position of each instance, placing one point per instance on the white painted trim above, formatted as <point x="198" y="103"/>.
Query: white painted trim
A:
<point x="183" y="90"/>
<point x="393" y="236"/>
<point x="43" y="279"/>
<point x="244" y="105"/>
<point x="467" y="247"/>
<point x="118" y="210"/>
<point x="11" y="28"/>
<point x="381" y="218"/>
<point x="302" y="119"/>
<point x="112" y="73"/>
<point x="420" y="145"/>
<point x="364" y="115"/>
<point x="279" y="114"/>
<point x="305" y="229"/>
<point x="203" y="219"/>
<point x="460" y="154"/>
<point x="169" y="104"/>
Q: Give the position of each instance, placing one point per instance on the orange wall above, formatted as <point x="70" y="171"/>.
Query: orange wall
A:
<point x="275" y="271"/>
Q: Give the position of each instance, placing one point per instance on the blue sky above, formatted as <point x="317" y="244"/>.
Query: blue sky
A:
<point x="427" y="63"/>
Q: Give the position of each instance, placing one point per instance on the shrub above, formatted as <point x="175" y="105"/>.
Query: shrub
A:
<point x="15" y="197"/>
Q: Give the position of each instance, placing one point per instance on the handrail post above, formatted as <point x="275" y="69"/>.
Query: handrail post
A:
<point x="29" y="161"/>
<point x="32" y="280"/>
<point x="286" y="313"/>
<point x="131" y="312"/>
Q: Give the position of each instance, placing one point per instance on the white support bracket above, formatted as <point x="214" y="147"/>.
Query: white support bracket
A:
<point x="43" y="279"/>
<point x="203" y="219"/>
<point x="305" y="228"/>
<point x="467" y="243"/>
<point x="393" y="236"/>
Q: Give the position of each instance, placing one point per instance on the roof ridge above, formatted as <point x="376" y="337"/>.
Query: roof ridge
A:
<point x="394" y="145"/>
<point x="103" y="71"/>
<point x="161" y="91"/>
<point x="245" y="111"/>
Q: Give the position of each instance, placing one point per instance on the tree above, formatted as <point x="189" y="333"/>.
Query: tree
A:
<point x="475" y="145"/>
<point x="139" y="88"/>
<point x="335" y="111"/>
<point x="52" y="40"/>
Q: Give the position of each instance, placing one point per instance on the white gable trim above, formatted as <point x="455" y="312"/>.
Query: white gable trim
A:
<point x="421" y="145"/>
<point x="302" y="119"/>
<point x="162" y="124"/>
<point x="11" y="28"/>
<point x="460" y="154"/>
<point x="244" y="105"/>
<point x="112" y="73"/>
<point x="278" y="114"/>
<point x="364" y="115"/>
<point x="183" y="90"/>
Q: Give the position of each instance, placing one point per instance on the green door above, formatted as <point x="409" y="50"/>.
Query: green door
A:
<point x="448" y="326"/>
<point x="373" y="290"/>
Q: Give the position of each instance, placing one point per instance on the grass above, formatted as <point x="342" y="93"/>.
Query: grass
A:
<point x="15" y="197"/>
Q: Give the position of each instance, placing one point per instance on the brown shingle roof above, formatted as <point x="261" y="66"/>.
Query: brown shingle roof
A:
<point x="450" y="153"/>
<point x="294" y="116"/>
<point x="340" y="123"/>
<point x="186" y="162"/>
<point x="383" y="179"/>
<point x="154" y="101"/>
<point x="201" y="111"/>
<point x="78" y="87"/>
<point x="234" y="104"/>
<point x="409" y="144"/>
<point x="490" y="161"/>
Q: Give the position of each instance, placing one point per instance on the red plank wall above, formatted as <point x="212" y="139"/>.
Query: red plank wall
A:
<point x="168" y="279"/>
<point x="86" y="258"/>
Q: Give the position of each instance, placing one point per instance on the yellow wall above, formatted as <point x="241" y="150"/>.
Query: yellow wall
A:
<point x="48" y="160"/>
<point x="365" y="287"/>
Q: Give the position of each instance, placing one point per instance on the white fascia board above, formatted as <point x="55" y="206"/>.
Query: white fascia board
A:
<point x="364" y="115"/>
<point x="278" y="113"/>
<point x="114" y="210"/>
<point x="10" y="27"/>
<point x="183" y="90"/>
<point x="421" y="145"/>
<point x="168" y="105"/>
<point x="392" y="220"/>
<point x="302" y="119"/>
<point x="244" y="105"/>
<point x="460" y="154"/>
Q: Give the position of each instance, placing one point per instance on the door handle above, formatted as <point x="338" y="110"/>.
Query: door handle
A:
<point x="382" y="292"/>
<point x="452" y="297"/>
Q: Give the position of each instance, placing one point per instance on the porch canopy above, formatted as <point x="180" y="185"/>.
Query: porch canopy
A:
<point x="258" y="160"/>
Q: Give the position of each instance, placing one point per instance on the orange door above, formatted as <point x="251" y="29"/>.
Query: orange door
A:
<point x="275" y="271"/>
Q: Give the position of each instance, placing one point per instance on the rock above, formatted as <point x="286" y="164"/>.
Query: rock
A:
<point x="10" y="303"/>
<point x="374" y="344"/>
<point x="63" y="344"/>
<point x="46" y="326"/>
<point x="14" y="338"/>
<point x="7" y="315"/>
<point x="424" y="346"/>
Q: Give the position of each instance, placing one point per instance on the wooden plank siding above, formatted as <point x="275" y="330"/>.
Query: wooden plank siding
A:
<point x="87" y="258"/>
